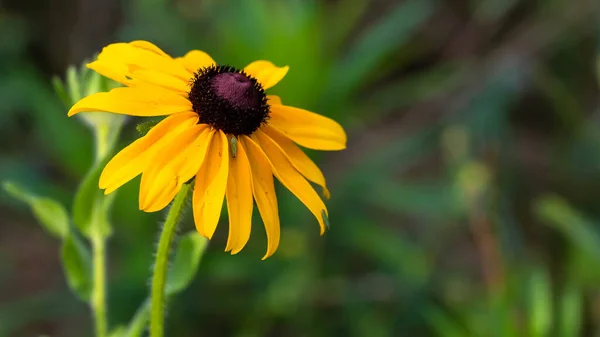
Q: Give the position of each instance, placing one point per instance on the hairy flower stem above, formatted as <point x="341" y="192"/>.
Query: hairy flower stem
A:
<point x="159" y="279"/>
<point x="98" y="300"/>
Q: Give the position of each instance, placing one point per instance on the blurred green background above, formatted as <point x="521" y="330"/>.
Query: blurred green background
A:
<point x="466" y="204"/>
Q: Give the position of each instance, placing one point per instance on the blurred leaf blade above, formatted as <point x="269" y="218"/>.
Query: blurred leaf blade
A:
<point x="49" y="213"/>
<point x="77" y="264"/>
<point x="190" y="249"/>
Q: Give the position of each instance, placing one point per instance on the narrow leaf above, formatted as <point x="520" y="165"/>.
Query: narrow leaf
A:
<point x="187" y="259"/>
<point x="119" y="331"/>
<point x="50" y="214"/>
<point x="570" y="311"/>
<point x="60" y="91"/>
<point x="540" y="303"/>
<point x="77" y="263"/>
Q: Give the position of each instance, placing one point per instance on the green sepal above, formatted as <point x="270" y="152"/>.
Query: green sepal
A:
<point x="50" y="214"/>
<point x="190" y="249"/>
<point x="77" y="262"/>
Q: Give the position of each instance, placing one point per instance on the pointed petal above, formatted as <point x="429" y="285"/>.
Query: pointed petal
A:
<point x="291" y="178"/>
<point x="149" y="46"/>
<point x="239" y="200"/>
<point x="133" y="159"/>
<point x="209" y="189"/>
<point x="307" y="128"/>
<point x="135" y="101"/>
<point x="195" y="60"/>
<point x="263" y="190"/>
<point x="141" y="55"/>
<point x="266" y="73"/>
<point x="298" y="158"/>
<point x="172" y="166"/>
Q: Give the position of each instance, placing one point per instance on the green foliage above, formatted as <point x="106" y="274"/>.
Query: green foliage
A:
<point x="466" y="203"/>
<point x="190" y="248"/>
<point x="77" y="264"/>
<point x="91" y="206"/>
<point x="48" y="212"/>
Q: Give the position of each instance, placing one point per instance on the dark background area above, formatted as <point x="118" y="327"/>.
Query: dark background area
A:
<point x="466" y="203"/>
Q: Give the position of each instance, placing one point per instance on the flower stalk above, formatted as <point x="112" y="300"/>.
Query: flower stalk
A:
<point x="161" y="266"/>
<point x="98" y="301"/>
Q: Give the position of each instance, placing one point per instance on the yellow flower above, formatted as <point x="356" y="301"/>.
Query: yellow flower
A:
<point x="221" y="128"/>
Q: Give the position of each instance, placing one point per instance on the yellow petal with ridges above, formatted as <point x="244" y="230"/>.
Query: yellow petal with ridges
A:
<point x="133" y="159"/>
<point x="196" y="59"/>
<point x="149" y="46"/>
<point x="135" y="57"/>
<point x="287" y="174"/>
<point x="298" y="158"/>
<point x="307" y="128"/>
<point x="153" y="77"/>
<point x="135" y="101"/>
<point x="239" y="200"/>
<point x="115" y="71"/>
<point x="172" y="166"/>
<point x="266" y="73"/>
<point x="209" y="188"/>
<point x="263" y="190"/>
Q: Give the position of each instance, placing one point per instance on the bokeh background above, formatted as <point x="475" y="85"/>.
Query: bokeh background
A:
<point x="466" y="204"/>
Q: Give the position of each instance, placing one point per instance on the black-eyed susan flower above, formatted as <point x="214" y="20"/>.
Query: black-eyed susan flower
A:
<point x="221" y="129"/>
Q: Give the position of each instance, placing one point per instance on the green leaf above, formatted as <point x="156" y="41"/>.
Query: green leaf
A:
<point x="557" y="212"/>
<point x="72" y="81"/>
<point x="51" y="215"/>
<point x="91" y="206"/>
<point x="540" y="303"/>
<point x="187" y="259"/>
<point x="118" y="331"/>
<point x="60" y="91"/>
<point x="378" y="41"/>
<point x="443" y="324"/>
<point x="570" y="305"/>
<point x="77" y="263"/>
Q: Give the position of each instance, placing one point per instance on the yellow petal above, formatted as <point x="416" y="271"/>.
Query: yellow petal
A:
<point x="266" y="73"/>
<point x="307" y="128"/>
<point x="263" y="190"/>
<point x="134" y="101"/>
<point x="141" y="55"/>
<point x="298" y="158"/>
<point x="274" y="100"/>
<point x="148" y="76"/>
<point x="149" y="46"/>
<point x="239" y="200"/>
<point x="115" y="71"/>
<point x="133" y="159"/>
<point x="291" y="178"/>
<point x="196" y="59"/>
<point x="172" y="166"/>
<point x="209" y="189"/>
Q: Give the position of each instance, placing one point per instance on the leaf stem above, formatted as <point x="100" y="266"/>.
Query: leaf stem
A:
<point x="162" y="262"/>
<point x="98" y="301"/>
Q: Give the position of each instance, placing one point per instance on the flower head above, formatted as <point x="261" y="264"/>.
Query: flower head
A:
<point x="222" y="129"/>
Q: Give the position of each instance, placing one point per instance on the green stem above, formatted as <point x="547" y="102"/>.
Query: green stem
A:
<point x="159" y="278"/>
<point x="99" y="293"/>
